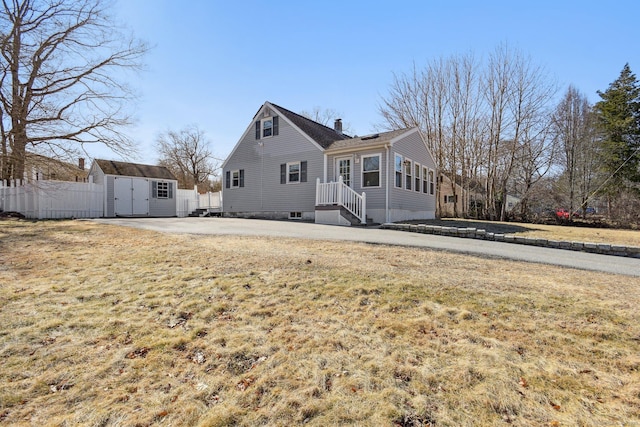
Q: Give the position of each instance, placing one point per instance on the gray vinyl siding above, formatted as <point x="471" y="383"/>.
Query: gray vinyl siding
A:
<point x="411" y="147"/>
<point x="375" y="195"/>
<point x="262" y="191"/>
<point x="163" y="207"/>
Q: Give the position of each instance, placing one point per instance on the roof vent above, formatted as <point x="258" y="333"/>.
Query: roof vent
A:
<point x="365" y="138"/>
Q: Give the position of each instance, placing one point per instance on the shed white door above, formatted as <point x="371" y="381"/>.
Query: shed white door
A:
<point x="131" y="196"/>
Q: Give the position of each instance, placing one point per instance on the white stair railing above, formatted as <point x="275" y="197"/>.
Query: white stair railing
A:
<point x="340" y="194"/>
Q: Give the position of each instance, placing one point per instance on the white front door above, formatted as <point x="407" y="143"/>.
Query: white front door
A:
<point x="343" y="169"/>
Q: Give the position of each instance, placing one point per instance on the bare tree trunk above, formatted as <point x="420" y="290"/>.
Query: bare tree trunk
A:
<point x="63" y="59"/>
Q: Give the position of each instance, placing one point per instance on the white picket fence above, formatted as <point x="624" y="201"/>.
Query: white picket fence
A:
<point x="52" y="199"/>
<point x="62" y="199"/>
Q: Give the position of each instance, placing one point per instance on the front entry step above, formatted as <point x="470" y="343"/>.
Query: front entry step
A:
<point x="339" y="215"/>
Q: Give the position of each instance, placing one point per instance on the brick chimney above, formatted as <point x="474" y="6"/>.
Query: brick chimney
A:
<point x="81" y="163"/>
<point x="337" y="126"/>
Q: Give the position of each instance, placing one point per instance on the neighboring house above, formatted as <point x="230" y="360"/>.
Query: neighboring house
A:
<point x="288" y="166"/>
<point x="450" y="203"/>
<point x="133" y="189"/>
<point x="42" y="168"/>
<point x="512" y="202"/>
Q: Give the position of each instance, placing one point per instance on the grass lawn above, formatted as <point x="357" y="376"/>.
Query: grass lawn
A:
<point x="111" y="326"/>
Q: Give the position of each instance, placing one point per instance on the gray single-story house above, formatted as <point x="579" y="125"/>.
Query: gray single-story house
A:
<point x="135" y="190"/>
<point x="288" y="166"/>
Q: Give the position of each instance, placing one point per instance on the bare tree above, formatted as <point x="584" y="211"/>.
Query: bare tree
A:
<point x="325" y="116"/>
<point x="574" y="131"/>
<point x="482" y="124"/>
<point x="64" y="65"/>
<point x="187" y="154"/>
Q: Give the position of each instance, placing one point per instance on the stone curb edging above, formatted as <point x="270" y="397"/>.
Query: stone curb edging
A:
<point x="475" y="233"/>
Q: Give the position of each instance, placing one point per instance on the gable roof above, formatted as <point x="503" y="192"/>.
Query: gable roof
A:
<point x="320" y="133"/>
<point x="112" y="167"/>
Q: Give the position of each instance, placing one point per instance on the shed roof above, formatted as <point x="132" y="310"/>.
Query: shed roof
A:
<point x="112" y="167"/>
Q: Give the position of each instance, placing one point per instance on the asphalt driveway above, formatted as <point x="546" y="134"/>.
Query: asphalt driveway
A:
<point x="293" y="229"/>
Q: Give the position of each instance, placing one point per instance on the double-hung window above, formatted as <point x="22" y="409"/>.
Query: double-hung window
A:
<point x="407" y="174"/>
<point x="398" y="169"/>
<point x="234" y="179"/>
<point x="416" y="176"/>
<point x="431" y="183"/>
<point x="425" y="180"/>
<point x="293" y="172"/>
<point x="267" y="127"/>
<point x="371" y="170"/>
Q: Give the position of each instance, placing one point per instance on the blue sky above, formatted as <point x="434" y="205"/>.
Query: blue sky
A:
<point x="214" y="63"/>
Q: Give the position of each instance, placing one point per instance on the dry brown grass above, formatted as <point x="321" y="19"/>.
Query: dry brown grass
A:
<point x="110" y="326"/>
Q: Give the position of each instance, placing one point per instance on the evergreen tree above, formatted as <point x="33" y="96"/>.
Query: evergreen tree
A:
<point x="618" y="116"/>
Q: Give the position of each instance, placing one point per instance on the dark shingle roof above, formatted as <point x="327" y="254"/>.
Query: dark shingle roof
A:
<point x="321" y="134"/>
<point x="367" y="140"/>
<point x="112" y="167"/>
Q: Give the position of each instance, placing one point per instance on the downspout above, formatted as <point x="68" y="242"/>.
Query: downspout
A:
<point x="386" y="196"/>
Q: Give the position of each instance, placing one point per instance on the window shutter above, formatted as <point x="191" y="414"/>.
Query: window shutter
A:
<point x="283" y="173"/>
<point x="258" y="129"/>
<point x="154" y="189"/>
<point x="170" y="186"/>
<point x="275" y="125"/>
<point x="227" y="180"/>
<point x="303" y="171"/>
<point x="241" y="177"/>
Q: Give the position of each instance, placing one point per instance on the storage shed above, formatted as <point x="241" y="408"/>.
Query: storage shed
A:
<point x="135" y="190"/>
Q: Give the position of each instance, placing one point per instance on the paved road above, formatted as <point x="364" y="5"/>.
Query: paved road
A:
<point x="249" y="227"/>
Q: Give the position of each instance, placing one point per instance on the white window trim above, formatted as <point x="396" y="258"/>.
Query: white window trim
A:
<point x="404" y="167"/>
<point x="362" y="171"/>
<point x="419" y="176"/>
<point x="425" y="180"/>
<point x="165" y="190"/>
<point x="262" y="136"/>
<point x="432" y="183"/>
<point x="295" y="215"/>
<point x="299" y="172"/>
<point x="395" y="171"/>
<point x="234" y="172"/>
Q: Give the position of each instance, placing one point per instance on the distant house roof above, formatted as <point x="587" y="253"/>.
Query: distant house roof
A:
<point x="321" y="134"/>
<point x="367" y="140"/>
<point x="55" y="169"/>
<point x="112" y="167"/>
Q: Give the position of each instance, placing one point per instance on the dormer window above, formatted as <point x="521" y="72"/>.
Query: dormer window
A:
<point x="267" y="127"/>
